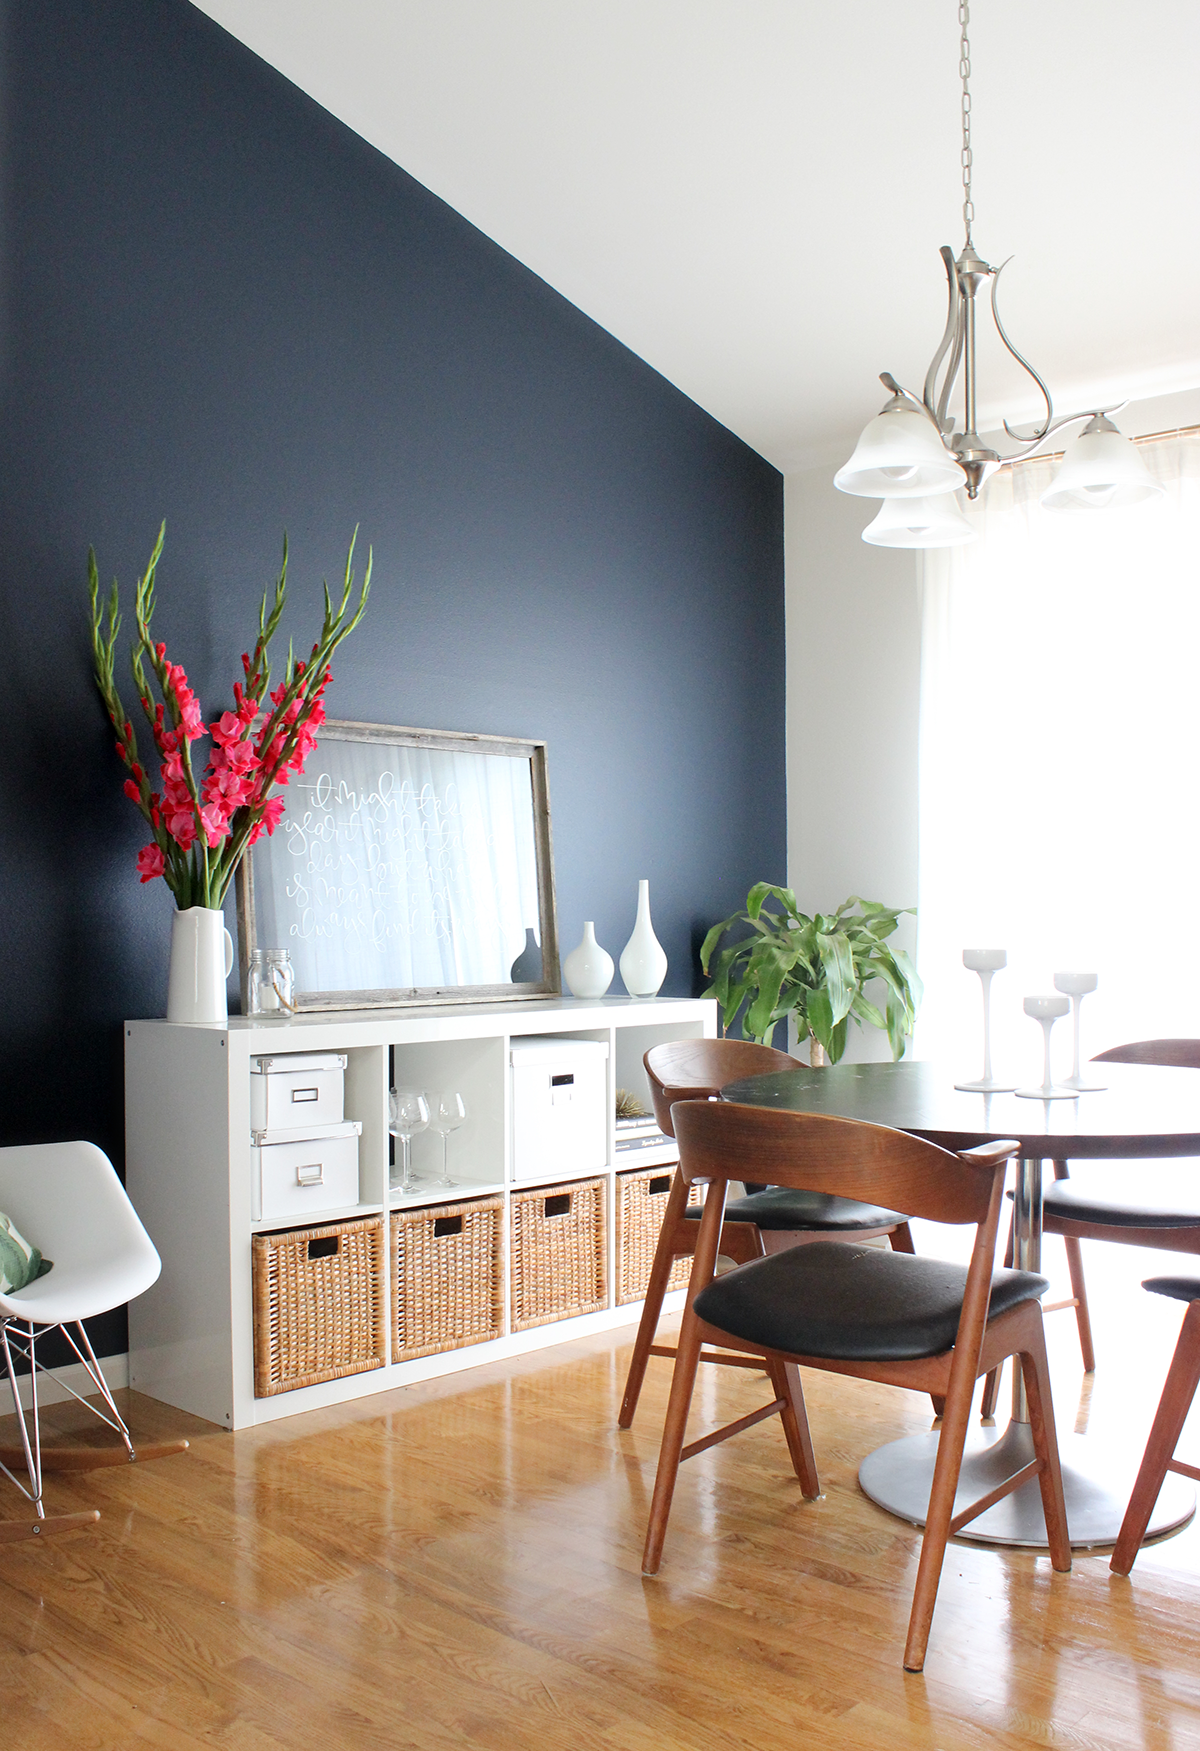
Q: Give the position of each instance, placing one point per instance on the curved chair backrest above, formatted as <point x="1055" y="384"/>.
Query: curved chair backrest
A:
<point x="699" y="1069"/>
<point x="814" y="1152"/>
<point x="1183" y="1054"/>
<point x="66" y="1199"/>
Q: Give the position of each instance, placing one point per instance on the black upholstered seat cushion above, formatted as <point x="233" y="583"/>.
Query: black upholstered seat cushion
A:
<point x="1178" y="1288"/>
<point x="843" y="1302"/>
<point x="1072" y="1200"/>
<point x="780" y="1207"/>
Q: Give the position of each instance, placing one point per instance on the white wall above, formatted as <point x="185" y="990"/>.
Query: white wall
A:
<point x="853" y="691"/>
<point x="853" y="685"/>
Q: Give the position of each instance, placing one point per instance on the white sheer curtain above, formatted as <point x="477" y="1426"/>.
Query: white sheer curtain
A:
<point x="1058" y="766"/>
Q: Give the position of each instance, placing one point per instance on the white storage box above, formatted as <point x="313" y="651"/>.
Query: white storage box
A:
<point x="302" y="1173"/>
<point x="559" y="1106"/>
<point x="296" y="1089"/>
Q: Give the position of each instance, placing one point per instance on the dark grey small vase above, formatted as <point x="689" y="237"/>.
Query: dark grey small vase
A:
<point x="527" y="968"/>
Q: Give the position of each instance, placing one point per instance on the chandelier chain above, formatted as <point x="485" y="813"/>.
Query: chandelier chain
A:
<point x="964" y="69"/>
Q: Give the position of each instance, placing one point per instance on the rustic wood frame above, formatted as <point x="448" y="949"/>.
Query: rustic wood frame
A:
<point x="456" y="742"/>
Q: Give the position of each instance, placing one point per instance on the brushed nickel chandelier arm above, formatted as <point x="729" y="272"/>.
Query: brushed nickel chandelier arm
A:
<point x="1024" y="364"/>
<point x="937" y="405"/>
<point x="1091" y="415"/>
<point x="889" y="382"/>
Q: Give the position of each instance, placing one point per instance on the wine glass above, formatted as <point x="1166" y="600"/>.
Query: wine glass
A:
<point x="448" y="1112"/>
<point x="408" y="1113"/>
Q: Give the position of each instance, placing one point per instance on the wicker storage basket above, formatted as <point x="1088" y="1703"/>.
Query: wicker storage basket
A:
<point x="641" y="1205"/>
<point x="318" y="1304"/>
<point x="557" y="1255"/>
<point x="447" y="1277"/>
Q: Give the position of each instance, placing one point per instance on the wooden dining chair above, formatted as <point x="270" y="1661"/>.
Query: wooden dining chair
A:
<point x="862" y="1311"/>
<point x="1071" y="1209"/>
<point x="698" y="1070"/>
<point x="1183" y="1376"/>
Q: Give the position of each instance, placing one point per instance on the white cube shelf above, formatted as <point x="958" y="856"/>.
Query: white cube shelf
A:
<point x="189" y="1162"/>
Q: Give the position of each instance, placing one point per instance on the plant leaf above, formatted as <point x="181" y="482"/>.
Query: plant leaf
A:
<point x="820" y="1018"/>
<point x="837" y="963"/>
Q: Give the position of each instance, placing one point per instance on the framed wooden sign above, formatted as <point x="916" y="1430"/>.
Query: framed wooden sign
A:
<point x="410" y="866"/>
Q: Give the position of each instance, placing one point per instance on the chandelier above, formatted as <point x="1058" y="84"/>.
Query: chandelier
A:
<point x="914" y="456"/>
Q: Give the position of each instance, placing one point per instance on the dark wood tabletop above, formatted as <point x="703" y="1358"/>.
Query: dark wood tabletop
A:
<point x="1146" y="1110"/>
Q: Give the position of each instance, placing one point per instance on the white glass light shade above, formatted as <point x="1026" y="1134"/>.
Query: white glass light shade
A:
<point x="919" y="523"/>
<point x="1100" y="471"/>
<point x="899" y="456"/>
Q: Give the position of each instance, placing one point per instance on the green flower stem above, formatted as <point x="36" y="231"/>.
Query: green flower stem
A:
<point x="201" y="876"/>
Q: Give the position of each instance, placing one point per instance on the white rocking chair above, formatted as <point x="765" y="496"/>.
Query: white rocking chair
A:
<point x="66" y="1199"/>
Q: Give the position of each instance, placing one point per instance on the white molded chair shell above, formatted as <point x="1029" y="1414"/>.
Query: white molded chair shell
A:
<point x="66" y="1199"/>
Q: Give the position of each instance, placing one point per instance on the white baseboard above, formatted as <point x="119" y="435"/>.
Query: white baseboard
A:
<point x="57" y="1384"/>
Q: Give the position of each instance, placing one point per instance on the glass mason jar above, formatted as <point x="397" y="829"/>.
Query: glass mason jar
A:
<point x="272" y="982"/>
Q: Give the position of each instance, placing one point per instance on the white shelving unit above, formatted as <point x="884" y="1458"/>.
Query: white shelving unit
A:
<point x="188" y="1163"/>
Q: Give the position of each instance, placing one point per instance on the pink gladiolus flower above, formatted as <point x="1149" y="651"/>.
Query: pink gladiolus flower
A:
<point x="228" y="728"/>
<point x="269" y="734"/>
<point x="181" y="825"/>
<point x="216" y="826"/>
<point x="238" y="756"/>
<point x="151" y="862"/>
<point x="191" y="721"/>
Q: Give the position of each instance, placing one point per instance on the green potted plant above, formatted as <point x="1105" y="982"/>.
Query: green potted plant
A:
<point x="814" y="968"/>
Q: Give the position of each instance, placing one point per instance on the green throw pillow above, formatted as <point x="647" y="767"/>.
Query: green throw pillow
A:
<point x="20" y="1263"/>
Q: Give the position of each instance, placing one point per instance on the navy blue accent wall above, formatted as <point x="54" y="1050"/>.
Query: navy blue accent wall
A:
<point x="220" y="306"/>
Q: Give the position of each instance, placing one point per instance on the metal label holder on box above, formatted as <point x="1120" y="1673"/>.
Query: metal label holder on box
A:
<point x="298" y="1173"/>
<point x="297" y="1088"/>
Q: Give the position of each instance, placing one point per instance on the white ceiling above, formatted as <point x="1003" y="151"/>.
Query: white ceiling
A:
<point x="751" y="193"/>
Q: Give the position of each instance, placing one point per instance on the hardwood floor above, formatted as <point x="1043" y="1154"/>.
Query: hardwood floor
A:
<point x="458" y="1564"/>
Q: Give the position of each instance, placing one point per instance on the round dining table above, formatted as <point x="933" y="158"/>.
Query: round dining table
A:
<point x="1145" y="1111"/>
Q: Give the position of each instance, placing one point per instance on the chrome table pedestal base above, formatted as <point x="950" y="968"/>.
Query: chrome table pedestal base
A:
<point x="899" y="1477"/>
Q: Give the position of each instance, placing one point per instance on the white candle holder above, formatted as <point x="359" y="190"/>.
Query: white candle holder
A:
<point x="985" y="962"/>
<point x="1077" y="986"/>
<point x="1047" y="1010"/>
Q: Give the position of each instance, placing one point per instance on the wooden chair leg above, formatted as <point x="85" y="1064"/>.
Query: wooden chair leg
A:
<point x="785" y="1378"/>
<point x="1182" y="1379"/>
<point x="683" y="1380"/>
<point x="85" y="1458"/>
<point x="1083" y="1318"/>
<point x="991" y="1386"/>
<point x="660" y="1272"/>
<point x="683" y="1377"/>
<point x="11" y="1531"/>
<point x="940" y="1513"/>
<point x="1036" y="1372"/>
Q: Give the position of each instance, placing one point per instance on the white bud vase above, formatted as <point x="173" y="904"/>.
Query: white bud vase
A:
<point x="588" y="969"/>
<point x="643" y="963"/>
<point x="201" y="961"/>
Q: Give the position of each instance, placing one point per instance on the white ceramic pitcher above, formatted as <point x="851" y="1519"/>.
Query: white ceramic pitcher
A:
<point x="201" y="961"/>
